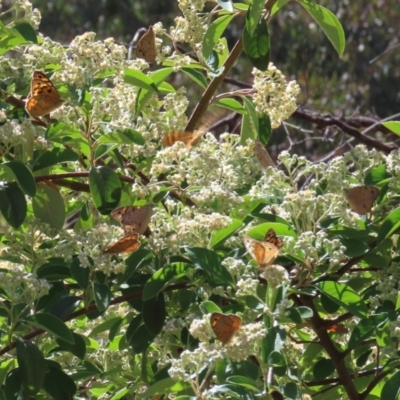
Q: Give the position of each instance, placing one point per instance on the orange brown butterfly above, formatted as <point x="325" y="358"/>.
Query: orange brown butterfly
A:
<point x="146" y="46"/>
<point x="43" y="97"/>
<point x="262" y="155"/>
<point x="361" y="198"/>
<point x="133" y="218"/>
<point x="264" y="252"/>
<point x="189" y="138"/>
<point x="225" y="326"/>
<point x="128" y="244"/>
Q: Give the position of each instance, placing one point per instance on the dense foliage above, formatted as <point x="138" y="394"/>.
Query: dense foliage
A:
<point x="93" y="308"/>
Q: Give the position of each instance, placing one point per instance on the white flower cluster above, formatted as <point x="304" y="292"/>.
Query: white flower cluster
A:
<point x="23" y="287"/>
<point x="14" y="134"/>
<point x="191" y="27"/>
<point x="273" y="96"/>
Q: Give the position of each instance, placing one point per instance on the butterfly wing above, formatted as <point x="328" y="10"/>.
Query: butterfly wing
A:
<point x="361" y="198"/>
<point x="189" y="138"/>
<point x="128" y="244"/>
<point x="262" y="155"/>
<point x="270" y="237"/>
<point x="133" y="218"/>
<point x="264" y="253"/>
<point x="224" y="326"/>
<point x="146" y="46"/>
<point x="43" y="97"/>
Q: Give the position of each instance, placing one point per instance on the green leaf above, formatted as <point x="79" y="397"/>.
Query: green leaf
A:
<point x="355" y="248"/>
<point x="48" y="206"/>
<point x="265" y="129"/>
<point x="9" y="38"/>
<point x="196" y="76"/>
<point x="391" y="389"/>
<point x="55" y="156"/>
<point x="65" y="306"/>
<point x="53" y="271"/>
<point x="232" y="104"/>
<point x="154" y="314"/>
<point x="328" y="23"/>
<point x="14" y="388"/>
<point x="345" y="296"/>
<point x="139" y="79"/>
<point x="102" y="295"/>
<point x="27" y="32"/>
<point x="13" y="204"/>
<point x="254" y="14"/>
<point x="223" y="234"/>
<point x="323" y="368"/>
<point x="214" y="32"/>
<point x="257" y="45"/>
<point x="141" y="339"/>
<point x="23" y="175"/>
<point x="243" y="382"/>
<point x="292" y="391"/>
<point x="389" y="226"/>
<point x="58" y="384"/>
<point x="80" y="273"/>
<point x="226" y="368"/>
<point x="78" y="348"/>
<point x="394" y="126"/>
<point x="161" y="74"/>
<point x="376" y="175"/>
<point x="66" y="134"/>
<point x="127" y="136"/>
<point x="51" y="324"/>
<point x="365" y="329"/>
<point x="105" y="188"/>
<point x="276" y="359"/>
<point x="31" y="364"/>
<point x="163" y="277"/>
<point x="210" y="262"/>
<point x="273" y="341"/>
<point x="249" y="129"/>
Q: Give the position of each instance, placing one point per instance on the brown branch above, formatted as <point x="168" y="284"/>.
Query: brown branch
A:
<point x="322" y="121"/>
<point x="335" y="355"/>
<point x="212" y="88"/>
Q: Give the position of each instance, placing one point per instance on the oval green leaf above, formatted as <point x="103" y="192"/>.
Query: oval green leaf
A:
<point x="51" y="324"/>
<point x="48" y="206"/>
<point x="328" y="22"/>
<point x="23" y="175"/>
<point x="13" y="204"/>
<point x="105" y="188"/>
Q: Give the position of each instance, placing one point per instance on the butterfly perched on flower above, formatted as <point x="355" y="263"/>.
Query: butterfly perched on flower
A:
<point x="43" y="97"/>
<point x="146" y="46"/>
<point x="225" y="326"/>
<point x="189" y="138"/>
<point x="264" y="252"/>
<point x="127" y="244"/>
<point x="133" y="218"/>
<point x="361" y="198"/>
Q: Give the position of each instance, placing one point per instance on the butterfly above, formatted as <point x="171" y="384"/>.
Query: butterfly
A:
<point x="128" y="244"/>
<point x="225" y="326"/>
<point x="189" y="138"/>
<point x="361" y="198"/>
<point x="265" y="252"/>
<point x="43" y="98"/>
<point x="133" y="219"/>
<point x="262" y="155"/>
<point x="146" y="46"/>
